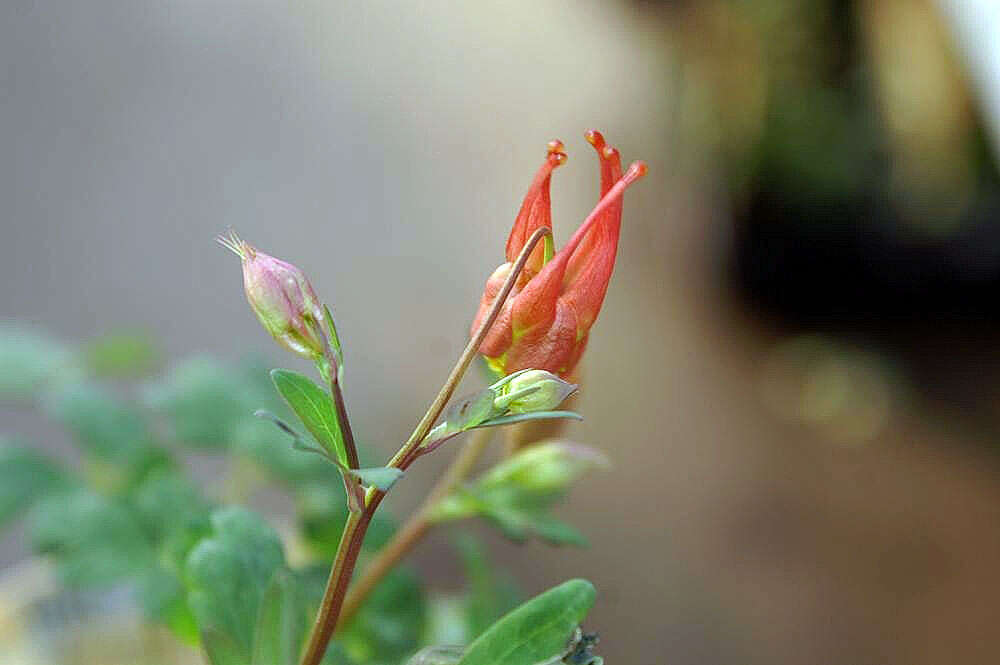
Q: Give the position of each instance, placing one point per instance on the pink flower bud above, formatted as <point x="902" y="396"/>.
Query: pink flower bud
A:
<point x="282" y="298"/>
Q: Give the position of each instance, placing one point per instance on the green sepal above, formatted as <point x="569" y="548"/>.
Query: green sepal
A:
<point x="334" y="341"/>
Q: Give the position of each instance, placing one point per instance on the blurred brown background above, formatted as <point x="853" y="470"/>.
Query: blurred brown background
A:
<point x="796" y="368"/>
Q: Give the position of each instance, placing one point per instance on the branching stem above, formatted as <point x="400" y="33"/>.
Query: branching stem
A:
<point x="357" y="523"/>
<point x="416" y="527"/>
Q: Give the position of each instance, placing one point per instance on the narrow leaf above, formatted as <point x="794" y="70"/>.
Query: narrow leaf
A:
<point x="314" y="408"/>
<point x="355" y="497"/>
<point x="298" y="443"/>
<point x="536" y="415"/>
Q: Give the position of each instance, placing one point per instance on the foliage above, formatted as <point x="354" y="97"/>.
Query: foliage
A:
<point x="217" y="574"/>
<point x="517" y="494"/>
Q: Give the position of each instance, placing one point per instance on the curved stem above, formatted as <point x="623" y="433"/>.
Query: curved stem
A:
<point x="471" y="349"/>
<point x="357" y="523"/>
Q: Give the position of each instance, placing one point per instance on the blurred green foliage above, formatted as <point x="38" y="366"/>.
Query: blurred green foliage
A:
<point x="217" y="575"/>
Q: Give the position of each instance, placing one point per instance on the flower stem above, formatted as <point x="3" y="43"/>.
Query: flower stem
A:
<point x="416" y="527"/>
<point x="345" y="423"/>
<point x="357" y="523"/>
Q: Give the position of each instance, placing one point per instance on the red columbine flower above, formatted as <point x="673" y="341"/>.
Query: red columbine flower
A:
<point x="546" y="320"/>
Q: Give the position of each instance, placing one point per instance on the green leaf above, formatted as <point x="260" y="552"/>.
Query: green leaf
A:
<point x="94" y="540"/>
<point x="557" y="532"/>
<point x="122" y="355"/>
<point x="227" y="574"/>
<point x="31" y="361"/>
<point x="110" y="430"/>
<point x="220" y="649"/>
<point x="263" y="444"/>
<point x="446" y="620"/>
<point x="534" y="415"/>
<point x="489" y="593"/>
<point x="536" y="632"/>
<point x="205" y="402"/>
<point x="437" y="655"/>
<point x="314" y="407"/>
<point x="382" y="477"/>
<point x="163" y="598"/>
<point x="25" y="477"/>
<point x="281" y="624"/>
<point x="167" y="501"/>
<point x="174" y="516"/>
<point x="518" y="493"/>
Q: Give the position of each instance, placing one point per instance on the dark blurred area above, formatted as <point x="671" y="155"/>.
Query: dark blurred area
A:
<point x="796" y="371"/>
<point x="866" y="202"/>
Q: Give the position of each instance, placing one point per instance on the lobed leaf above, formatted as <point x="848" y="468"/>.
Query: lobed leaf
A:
<point x="205" y="402"/>
<point x="94" y="540"/>
<point x="111" y="431"/>
<point x="25" y="477"/>
<point x="31" y="361"/>
<point x="122" y="355"/>
<point x="281" y="623"/>
<point x="226" y="576"/>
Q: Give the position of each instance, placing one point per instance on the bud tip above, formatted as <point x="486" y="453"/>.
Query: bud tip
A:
<point x="236" y="245"/>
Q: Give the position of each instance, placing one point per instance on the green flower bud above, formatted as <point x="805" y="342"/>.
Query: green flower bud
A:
<point x="533" y="390"/>
<point x="282" y="298"/>
<point x="543" y="471"/>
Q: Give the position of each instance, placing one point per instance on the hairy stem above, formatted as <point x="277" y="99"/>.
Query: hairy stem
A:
<point x="357" y="524"/>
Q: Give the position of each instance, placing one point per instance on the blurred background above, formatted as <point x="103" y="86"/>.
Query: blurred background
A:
<point x="796" y="371"/>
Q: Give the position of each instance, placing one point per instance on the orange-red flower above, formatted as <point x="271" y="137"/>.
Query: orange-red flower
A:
<point x="545" y="322"/>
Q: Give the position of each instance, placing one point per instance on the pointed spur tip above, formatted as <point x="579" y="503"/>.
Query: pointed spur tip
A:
<point x="635" y="171"/>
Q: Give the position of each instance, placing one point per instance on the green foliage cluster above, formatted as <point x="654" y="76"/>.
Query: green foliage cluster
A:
<point x="130" y="513"/>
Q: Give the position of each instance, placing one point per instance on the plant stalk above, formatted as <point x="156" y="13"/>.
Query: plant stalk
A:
<point x="357" y="523"/>
<point x="416" y="527"/>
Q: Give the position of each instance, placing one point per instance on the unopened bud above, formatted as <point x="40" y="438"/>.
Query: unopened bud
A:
<point x="534" y="390"/>
<point x="282" y="298"/>
<point x="543" y="471"/>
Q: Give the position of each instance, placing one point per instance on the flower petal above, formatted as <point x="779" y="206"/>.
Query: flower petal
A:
<point x="536" y="210"/>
